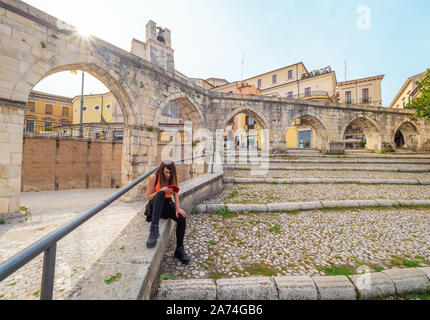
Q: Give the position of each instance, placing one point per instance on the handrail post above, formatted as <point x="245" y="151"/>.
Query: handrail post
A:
<point x="47" y="290"/>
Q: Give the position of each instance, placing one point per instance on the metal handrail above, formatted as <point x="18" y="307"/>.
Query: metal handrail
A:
<point x="48" y="244"/>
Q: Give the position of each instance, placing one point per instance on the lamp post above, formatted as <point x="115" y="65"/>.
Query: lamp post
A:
<point x="81" y="132"/>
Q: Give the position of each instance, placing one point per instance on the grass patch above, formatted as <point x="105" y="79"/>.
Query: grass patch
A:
<point x="216" y="276"/>
<point x="260" y="269"/>
<point x="400" y="262"/>
<point x="167" y="276"/>
<point x="226" y="213"/>
<point x="2" y="222"/>
<point x="275" y="229"/>
<point x="337" y="270"/>
<point x="233" y="195"/>
<point x="113" y="278"/>
<point x="212" y="243"/>
<point x="36" y="293"/>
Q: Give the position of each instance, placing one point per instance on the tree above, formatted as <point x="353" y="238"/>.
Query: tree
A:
<point x="421" y="105"/>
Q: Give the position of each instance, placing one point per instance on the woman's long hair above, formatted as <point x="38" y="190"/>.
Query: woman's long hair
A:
<point x="173" y="177"/>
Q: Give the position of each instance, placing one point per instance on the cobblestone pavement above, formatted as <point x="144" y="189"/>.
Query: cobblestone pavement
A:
<point x="75" y="253"/>
<point x="269" y="193"/>
<point x="282" y="174"/>
<point x="317" y="242"/>
<point x="306" y="243"/>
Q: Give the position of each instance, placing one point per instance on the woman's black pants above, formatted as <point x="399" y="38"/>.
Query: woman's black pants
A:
<point x="163" y="207"/>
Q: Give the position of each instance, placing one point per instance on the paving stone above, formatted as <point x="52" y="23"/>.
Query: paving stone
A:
<point x="296" y="288"/>
<point x="197" y="289"/>
<point x="200" y="208"/>
<point x="386" y="203"/>
<point x="408" y="280"/>
<point x="373" y="285"/>
<point x="252" y="288"/>
<point x="367" y="203"/>
<point x="426" y="270"/>
<point x="335" y="288"/>
<point x="286" y="206"/>
<point x="310" y="205"/>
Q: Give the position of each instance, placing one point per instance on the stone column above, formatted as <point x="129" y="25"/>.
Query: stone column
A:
<point x="11" y="142"/>
<point x="139" y="156"/>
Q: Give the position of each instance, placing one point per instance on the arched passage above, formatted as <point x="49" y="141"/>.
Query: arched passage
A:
<point x="246" y="128"/>
<point x="360" y="127"/>
<point x="407" y="136"/>
<point x="306" y="131"/>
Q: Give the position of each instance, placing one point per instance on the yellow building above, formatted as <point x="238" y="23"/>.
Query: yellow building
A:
<point x="246" y="131"/>
<point x="46" y="111"/>
<point x="360" y="91"/>
<point x="300" y="135"/>
<point x="408" y="92"/>
<point x="97" y="107"/>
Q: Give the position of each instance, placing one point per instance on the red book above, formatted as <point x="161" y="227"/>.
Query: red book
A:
<point x="175" y="188"/>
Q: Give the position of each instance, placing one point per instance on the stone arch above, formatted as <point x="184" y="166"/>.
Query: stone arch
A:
<point x="371" y="131"/>
<point x="187" y="107"/>
<point x="318" y="125"/>
<point x="40" y="70"/>
<point x="410" y="134"/>
<point x="256" y="114"/>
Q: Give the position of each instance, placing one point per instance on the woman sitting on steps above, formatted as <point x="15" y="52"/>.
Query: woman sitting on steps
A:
<point x="160" y="194"/>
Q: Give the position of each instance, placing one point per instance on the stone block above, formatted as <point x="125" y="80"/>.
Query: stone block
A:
<point x="386" y="203"/>
<point x="426" y="270"/>
<point x="210" y="208"/>
<point x="313" y="180"/>
<point x="335" y="288"/>
<point x="229" y="180"/>
<point x="253" y="288"/>
<point x="285" y="206"/>
<point x="4" y="204"/>
<point x="367" y="203"/>
<point x="199" y="289"/>
<point x="408" y="280"/>
<point x="310" y="205"/>
<point x="200" y="208"/>
<point x="296" y="288"/>
<point x="373" y="285"/>
<point x="424" y="182"/>
<point x="299" y="180"/>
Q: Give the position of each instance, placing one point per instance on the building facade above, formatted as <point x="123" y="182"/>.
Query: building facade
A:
<point x="46" y="111"/>
<point x="365" y="91"/>
<point x="408" y="92"/>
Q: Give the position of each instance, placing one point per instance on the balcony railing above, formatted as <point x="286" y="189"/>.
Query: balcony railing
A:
<point x="367" y="101"/>
<point x="310" y="95"/>
<point x="42" y="129"/>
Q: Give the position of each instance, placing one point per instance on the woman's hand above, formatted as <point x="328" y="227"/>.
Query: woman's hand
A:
<point x="180" y="212"/>
<point x="166" y="190"/>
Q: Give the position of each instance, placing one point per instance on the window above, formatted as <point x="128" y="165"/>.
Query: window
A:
<point x="32" y="107"/>
<point x="48" y="108"/>
<point x="290" y="95"/>
<point x="29" y="126"/>
<point x="365" y="95"/>
<point x="85" y="108"/>
<point x="274" y="78"/>
<point x="108" y="107"/>
<point x="348" y="97"/>
<point x="307" y="92"/>
<point x="96" y="108"/>
<point x="290" y="74"/>
<point x="65" y="111"/>
<point x="250" y="121"/>
<point x="48" y="126"/>
<point x="259" y="83"/>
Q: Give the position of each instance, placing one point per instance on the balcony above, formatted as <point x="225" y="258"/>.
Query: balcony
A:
<point x="313" y="95"/>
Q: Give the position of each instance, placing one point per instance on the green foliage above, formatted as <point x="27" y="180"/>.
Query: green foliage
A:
<point x="421" y="105"/>
<point x="167" y="277"/>
<point x="113" y="278"/>
<point x="337" y="271"/>
<point x="2" y="222"/>
<point x="260" y="270"/>
<point x="363" y="143"/>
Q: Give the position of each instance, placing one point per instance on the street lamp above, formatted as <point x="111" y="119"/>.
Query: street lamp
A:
<point x="81" y="132"/>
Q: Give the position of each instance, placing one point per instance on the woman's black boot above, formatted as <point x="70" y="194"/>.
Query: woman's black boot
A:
<point x="181" y="255"/>
<point x="153" y="236"/>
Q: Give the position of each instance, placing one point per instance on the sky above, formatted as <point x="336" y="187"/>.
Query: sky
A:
<point x="210" y="38"/>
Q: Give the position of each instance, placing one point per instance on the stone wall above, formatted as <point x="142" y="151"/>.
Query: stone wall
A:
<point x="11" y="122"/>
<point x="49" y="164"/>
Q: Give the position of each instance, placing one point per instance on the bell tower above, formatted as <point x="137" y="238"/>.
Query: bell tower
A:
<point x="158" y="47"/>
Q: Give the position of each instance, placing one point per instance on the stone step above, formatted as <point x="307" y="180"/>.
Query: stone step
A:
<point x="371" y="161"/>
<point x="325" y="180"/>
<point x="381" y="169"/>
<point x="312" y="205"/>
<point x="357" y="287"/>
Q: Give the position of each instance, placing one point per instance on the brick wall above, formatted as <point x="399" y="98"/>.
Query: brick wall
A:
<point x="49" y="164"/>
